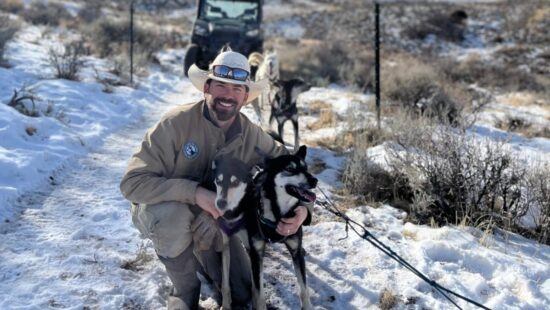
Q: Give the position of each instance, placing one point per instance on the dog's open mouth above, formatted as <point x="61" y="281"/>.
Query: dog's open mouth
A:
<point x="301" y="193"/>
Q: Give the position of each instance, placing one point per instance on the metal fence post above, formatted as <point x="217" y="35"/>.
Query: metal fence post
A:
<point x="377" y="59"/>
<point x="132" y="42"/>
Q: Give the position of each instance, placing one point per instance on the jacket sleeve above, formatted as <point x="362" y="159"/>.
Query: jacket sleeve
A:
<point x="269" y="146"/>
<point x="147" y="178"/>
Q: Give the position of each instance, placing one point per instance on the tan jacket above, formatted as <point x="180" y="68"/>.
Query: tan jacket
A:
<point x="176" y="154"/>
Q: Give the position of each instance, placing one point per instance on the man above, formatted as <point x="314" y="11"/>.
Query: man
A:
<point x="167" y="179"/>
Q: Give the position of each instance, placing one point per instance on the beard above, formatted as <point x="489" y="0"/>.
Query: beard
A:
<point x="222" y="110"/>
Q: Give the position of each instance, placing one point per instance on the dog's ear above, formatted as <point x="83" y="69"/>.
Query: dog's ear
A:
<point x="302" y="152"/>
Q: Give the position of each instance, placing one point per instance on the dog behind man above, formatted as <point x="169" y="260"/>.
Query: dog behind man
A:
<point x="255" y="204"/>
<point x="284" y="108"/>
<point x="264" y="66"/>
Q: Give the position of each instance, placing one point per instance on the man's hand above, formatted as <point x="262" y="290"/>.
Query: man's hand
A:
<point x="289" y="226"/>
<point x="206" y="200"/>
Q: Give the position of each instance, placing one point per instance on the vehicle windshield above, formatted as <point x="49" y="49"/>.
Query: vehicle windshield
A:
<point x="230" y="9"/>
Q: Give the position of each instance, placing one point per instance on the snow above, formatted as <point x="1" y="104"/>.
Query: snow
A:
<point x="68" y="241"/>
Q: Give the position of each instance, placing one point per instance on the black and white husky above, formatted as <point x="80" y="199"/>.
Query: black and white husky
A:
<point x="253" y="205"/>
<point x="283" y="107"/>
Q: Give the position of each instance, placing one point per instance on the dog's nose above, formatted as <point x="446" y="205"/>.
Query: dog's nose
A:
<point x="313" y="181"/>
<point x="221" y="204"/>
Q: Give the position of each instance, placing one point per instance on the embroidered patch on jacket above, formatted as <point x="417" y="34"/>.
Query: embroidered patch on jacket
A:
<point x="191" y="150"/>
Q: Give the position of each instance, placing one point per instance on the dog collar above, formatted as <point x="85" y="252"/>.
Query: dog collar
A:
<point x="229" y="228"/>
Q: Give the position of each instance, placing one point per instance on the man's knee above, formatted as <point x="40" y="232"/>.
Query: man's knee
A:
<point x="167" y="224"/>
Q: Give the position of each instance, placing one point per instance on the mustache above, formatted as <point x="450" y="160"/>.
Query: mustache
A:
<point x="218" y="100"/>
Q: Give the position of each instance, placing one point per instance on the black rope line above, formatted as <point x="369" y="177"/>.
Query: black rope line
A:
<point x="362" y="232"/>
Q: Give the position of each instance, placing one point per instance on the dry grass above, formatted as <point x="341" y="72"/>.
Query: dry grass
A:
<point x="338" y="144"/>
<point x="315" y="107"/>
<point x="109" y="37"/>
<point x="363" y="177"/>
<point x="141" y="259"/>
<point x="30" y="130"/>
<point x="489" y="75"/>
<point x="11" y="6"/>
<point x="67" y="62"/>
<point x="524" y="127"/>
<point x="90" y="12"/>
<point x="537" y="25"/>
<point x="318" y="166"/>
<point x="324" y="62"/>
<point x="439" y="23"/>
<point x="8" y="28"/>
<point x="419" y="88"/>
<point x="327" y="119"/>
<point x="24" y="101"/>
<point x="388" y="299"/>
<point x="40" y="13"/>
<point x="519" y="99"/>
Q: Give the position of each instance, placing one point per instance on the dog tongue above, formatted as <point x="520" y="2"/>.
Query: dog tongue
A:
<point x="305" y="194"/>
<point x="308" y="195"/>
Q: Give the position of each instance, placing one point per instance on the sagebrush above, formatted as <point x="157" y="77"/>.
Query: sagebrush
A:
<point x="8" y="28"/>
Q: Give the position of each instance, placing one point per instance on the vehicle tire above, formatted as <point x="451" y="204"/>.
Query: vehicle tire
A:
<point x="191" y="57"/>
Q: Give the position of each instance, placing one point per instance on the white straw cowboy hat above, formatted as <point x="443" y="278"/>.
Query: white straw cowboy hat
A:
<point x="233" y="60"/>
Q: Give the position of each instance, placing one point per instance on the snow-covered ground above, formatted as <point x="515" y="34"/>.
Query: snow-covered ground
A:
<point x="68" y="242"/>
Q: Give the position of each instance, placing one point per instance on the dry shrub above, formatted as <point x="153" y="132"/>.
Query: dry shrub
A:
<point x="538" y="194"/>
<point x="66" y="61"/>
<point x="419" y="88"/>
<point x="121" y="68"/>
<point x="447" y="25"/>
<point x="24" y="101"/>
<point x="523" y="126"/>
<point x="362" y="176"/>
<point x="30" y="130"/>
<point x="40" y="13"/>
<point x="324" y="62"/>
<point x="109" y="37"/>
<point x="315" y="107"/>
<point x="90" y="12"/>
<point x="514" y="52"/>
<point x="474" y="70"/>
<point x="514" y="124"/>
<point x="8" y="28"/>
<point x="12" y="6"/>
<point x="527" y="21"/>
<point x="518" y="99"/>
<point x="142" y="258"/>
<point x="327" y="119"/>
<point x="461" y="178"/>
<point x="388" y="299"/>
<point x="442" y="175"/>
<point x="338" y="144"/>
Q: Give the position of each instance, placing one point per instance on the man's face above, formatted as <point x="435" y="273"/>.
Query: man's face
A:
<point x="225" y="99"/>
